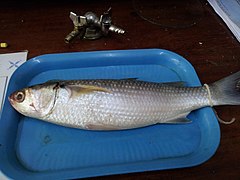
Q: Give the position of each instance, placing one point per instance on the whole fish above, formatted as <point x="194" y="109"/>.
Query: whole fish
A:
<point x="120" y="104"/>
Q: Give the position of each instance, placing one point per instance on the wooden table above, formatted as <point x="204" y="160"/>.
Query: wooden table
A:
<point x="40" y="28"/>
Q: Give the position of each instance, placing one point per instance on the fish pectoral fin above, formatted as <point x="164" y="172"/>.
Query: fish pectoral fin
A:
<point x="182" y="120"/>
<point x="101" y="127"/>
<point x="77" y="90"/>
<point x="88" y="88"/>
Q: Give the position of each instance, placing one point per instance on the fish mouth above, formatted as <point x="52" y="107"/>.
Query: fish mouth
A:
<point x="10" y="99"/>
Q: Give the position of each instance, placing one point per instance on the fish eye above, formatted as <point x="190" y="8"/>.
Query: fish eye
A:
<point x="19" y="96"/>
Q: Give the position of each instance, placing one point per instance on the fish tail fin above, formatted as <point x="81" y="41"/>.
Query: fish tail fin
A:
<point x="227" y="90"/>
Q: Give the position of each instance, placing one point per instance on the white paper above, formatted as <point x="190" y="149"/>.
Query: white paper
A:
<point x="3" y="177"/>
<point x="8" y="64"/>
<point x="3" y="83"/>
<point x="229" y="11"/>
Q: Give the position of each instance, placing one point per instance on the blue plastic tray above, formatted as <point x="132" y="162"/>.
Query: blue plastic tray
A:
<point x="32" y="149"/>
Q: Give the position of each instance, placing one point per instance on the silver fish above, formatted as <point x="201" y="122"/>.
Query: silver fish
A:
<point x="120" y="104"/>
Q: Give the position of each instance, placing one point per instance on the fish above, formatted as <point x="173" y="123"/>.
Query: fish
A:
<point x="119" y="104"/>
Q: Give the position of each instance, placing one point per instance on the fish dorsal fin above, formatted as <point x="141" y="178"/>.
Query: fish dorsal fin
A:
<point x="175" y="84"/>
<point x="53" y="81"/>
<point x="77" y="90"/>
<point x="130" y="79"/>
<point x="181" y="120"/>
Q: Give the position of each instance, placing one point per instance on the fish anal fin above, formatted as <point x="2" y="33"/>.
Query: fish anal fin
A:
<point x="103" y="127"/>
<point x="181" y="120"/>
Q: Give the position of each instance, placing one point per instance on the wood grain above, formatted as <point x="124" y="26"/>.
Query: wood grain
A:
<point x="41" y="26"/>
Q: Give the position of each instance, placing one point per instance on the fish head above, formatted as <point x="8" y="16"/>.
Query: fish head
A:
<point x="35" y="101"/>
<point x="23" y="101"/>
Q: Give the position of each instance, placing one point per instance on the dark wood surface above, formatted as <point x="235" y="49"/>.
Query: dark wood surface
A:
<point x="40" y="27"/>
